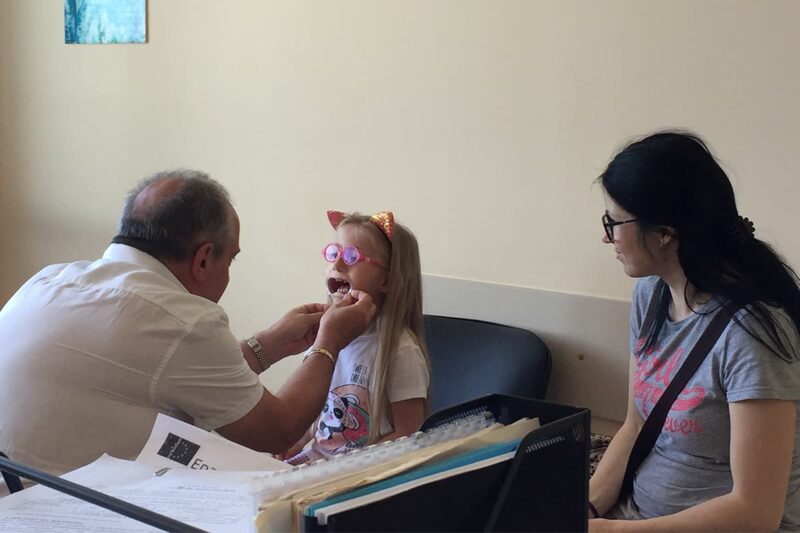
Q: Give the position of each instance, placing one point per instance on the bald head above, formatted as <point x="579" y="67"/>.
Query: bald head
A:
<point x="171" y="213"/>
<point x="154" y="193"/>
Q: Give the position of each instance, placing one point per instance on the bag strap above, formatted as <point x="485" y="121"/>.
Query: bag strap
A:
<point x="655" y="421"/>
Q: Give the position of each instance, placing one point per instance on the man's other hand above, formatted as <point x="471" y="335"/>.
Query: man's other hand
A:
<point x="294" y="332"/>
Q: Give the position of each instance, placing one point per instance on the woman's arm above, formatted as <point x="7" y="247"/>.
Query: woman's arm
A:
<point x="762" y="442"/>
<point x="606" y="482"/>
<point x="407" y="416"/>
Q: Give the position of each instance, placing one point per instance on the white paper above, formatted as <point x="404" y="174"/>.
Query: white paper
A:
<point x="213" y="501"/>
<point x="191" y="447"/>
<point x="204" y="480"/>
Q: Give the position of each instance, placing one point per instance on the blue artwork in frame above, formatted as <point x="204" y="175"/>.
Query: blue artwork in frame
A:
<point x="105" y="21"/>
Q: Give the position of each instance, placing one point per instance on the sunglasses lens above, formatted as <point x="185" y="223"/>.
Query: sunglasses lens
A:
<point x="350" y="255"/>
<point x="331" y="253"/>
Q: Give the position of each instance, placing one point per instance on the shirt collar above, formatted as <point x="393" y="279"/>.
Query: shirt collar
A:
<point x="129" y="254"/>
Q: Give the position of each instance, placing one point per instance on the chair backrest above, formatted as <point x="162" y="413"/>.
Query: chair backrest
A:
<point x="472" y="358"/>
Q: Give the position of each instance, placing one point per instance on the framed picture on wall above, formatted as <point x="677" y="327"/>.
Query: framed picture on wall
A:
<point x="105" y="21"/>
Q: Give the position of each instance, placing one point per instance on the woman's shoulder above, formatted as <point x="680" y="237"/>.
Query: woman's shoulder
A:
<point x="645" y="287"/>
<point x="754" y="317"/>
<point x="759" y="356"/>
<point x="645" y="296"/>
<point x="772" y="326"/>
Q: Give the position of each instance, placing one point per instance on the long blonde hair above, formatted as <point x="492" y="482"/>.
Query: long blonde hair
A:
<point x="401" y="309"/>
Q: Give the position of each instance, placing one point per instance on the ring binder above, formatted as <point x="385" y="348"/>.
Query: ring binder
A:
<point x="280" y="482"/>
<point x="543" y="488"/>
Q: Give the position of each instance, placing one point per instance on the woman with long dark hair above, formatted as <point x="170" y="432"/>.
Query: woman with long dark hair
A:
<point x="727" y="456"/>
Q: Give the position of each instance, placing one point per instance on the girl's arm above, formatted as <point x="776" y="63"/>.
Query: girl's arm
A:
<point x="408" y="416"/>
<point x="606" y="482"/>
<point x="762" y="442"/>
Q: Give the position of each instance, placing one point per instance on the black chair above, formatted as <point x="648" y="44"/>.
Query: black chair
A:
<point x="472" y="358"/>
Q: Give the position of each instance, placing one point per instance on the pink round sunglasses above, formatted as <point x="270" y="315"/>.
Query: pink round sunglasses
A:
<point x="349" y="254"/>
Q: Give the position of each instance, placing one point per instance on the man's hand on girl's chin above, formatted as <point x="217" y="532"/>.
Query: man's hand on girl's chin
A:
<point x="345" y="320"/>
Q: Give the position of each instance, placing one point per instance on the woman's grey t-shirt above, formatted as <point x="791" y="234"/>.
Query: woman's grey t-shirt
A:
<point x="690" y="462"/>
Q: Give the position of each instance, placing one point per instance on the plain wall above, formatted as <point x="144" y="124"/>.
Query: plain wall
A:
<point x="482" y="124"/>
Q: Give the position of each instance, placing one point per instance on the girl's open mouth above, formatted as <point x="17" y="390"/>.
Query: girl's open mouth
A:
<point x="338" y="286"/>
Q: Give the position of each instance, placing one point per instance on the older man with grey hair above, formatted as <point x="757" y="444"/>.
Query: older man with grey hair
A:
<point x="93" y="351"/>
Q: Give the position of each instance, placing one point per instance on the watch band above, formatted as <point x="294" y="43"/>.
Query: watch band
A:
<point x="261" y="355"/>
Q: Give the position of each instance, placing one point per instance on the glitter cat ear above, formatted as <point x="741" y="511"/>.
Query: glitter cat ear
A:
<point x="385" y="222"/>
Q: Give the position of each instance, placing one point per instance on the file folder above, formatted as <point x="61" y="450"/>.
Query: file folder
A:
<point x="543" y="487"/>
<point x="466" y="462"/>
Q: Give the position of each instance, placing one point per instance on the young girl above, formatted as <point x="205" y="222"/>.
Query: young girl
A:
<point x="380" y="383"/>
<point x="728" y="455"/>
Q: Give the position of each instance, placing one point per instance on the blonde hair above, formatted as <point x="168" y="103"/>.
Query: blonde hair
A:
<point x="401" y="309"/>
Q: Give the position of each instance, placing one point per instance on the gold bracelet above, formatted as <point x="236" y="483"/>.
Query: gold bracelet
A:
<point x="323" y="351"/>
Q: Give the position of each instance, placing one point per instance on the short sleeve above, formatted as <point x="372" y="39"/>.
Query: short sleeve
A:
<point x="754" y="371"/>
<point x="409" y="376"/>
<point x="207" y="376"/>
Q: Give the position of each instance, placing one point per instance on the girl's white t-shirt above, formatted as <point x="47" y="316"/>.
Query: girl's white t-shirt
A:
<point x="345" y="420"/>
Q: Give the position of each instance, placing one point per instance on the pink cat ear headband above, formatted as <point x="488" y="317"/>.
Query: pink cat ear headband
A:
<point x="384" y="221"/>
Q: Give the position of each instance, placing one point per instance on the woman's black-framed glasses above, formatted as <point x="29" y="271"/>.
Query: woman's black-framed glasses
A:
<point x="609" y="224"/>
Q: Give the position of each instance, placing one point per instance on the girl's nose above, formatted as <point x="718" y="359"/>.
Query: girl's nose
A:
<point x="605" y="239"/>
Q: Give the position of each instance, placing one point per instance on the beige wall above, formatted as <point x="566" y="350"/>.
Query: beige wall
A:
<point x="481" y="124"/>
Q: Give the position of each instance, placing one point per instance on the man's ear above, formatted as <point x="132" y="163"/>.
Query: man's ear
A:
<point x="201" y="261"/>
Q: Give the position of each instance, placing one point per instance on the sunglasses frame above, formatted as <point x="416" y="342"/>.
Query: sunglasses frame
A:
<point x="360" y="258"/>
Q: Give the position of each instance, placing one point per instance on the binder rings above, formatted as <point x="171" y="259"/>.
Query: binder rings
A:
<point x="542" y="487"/>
